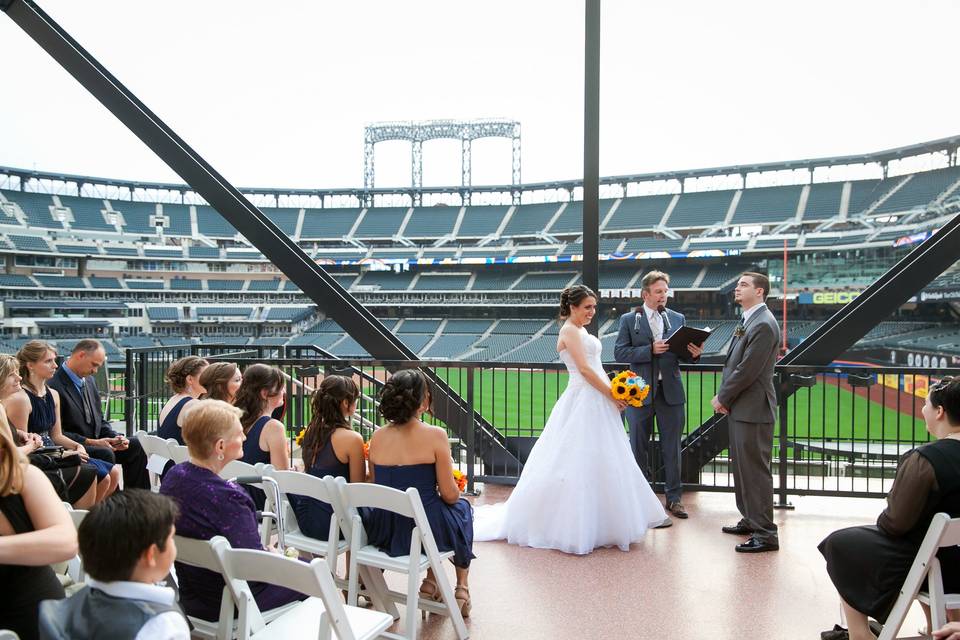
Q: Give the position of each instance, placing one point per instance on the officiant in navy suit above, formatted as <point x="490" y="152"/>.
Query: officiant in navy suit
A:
<point x="641" y="342"/>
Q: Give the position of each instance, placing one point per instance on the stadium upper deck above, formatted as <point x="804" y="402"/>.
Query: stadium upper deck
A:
<point x="176" y="269"/>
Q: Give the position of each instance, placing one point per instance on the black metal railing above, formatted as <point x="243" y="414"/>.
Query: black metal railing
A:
<point x="841" y="430"/>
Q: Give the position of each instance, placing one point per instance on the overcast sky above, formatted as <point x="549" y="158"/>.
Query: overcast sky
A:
<point x="278" y="94"/>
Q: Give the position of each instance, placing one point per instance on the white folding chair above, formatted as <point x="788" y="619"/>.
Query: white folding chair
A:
<point x="178" y="452"/>
<point x="348" y="498"/>
<point x="158" y="452"/>
<point x="201" y="553"/>
<point x="71" y="571"/>
<point x="323" y="610"/>
<point x="295" y="483"/>
<point x="259" y="475"/>
<point x="942" y="532"/>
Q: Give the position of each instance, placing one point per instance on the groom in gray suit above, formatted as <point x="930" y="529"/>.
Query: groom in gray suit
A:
<point x="748" y="398"/>
<point x="641" y="341"/>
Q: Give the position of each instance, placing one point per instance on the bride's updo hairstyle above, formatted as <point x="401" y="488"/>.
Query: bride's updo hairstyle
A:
<point x="574" y="297"/>
<point x="402" y="395"/>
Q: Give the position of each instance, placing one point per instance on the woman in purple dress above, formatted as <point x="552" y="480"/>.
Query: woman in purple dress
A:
<point x="210" y="506"/>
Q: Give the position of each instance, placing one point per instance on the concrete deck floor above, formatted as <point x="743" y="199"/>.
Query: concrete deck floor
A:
<point x="682" y="582"/>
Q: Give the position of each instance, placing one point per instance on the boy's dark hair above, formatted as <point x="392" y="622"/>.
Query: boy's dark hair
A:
<point x="117" y="531"/>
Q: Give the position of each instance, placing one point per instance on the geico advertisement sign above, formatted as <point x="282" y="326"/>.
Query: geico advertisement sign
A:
<point x="828" y="297"/>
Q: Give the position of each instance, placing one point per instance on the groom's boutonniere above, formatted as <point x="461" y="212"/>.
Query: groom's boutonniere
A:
<point x="740" y="331"/>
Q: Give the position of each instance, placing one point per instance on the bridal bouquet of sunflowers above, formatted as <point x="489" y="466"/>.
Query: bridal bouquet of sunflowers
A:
<point x="630" y="388"/>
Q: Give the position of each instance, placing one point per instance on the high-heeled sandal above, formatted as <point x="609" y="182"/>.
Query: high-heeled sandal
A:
<point x="434" y="591"/>
<point x="462" y="595"/>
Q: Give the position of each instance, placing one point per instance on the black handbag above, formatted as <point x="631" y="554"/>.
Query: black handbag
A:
<point x="53" y="461"/>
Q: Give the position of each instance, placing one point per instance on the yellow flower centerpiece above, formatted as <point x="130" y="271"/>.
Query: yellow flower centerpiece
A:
<point x="630" y="388"/>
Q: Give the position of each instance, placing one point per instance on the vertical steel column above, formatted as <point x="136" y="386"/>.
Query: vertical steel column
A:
<point x="591" y="150"/>
<point x="471" y="428"/>
<point x="144" y="403"/>
<point x="129" y="385"/>
<point x="783" y="391"/>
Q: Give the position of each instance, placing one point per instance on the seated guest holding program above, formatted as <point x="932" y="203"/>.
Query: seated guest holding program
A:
<point x="35" y="532"/>
<point x="221" y="381"/>
<point x="330" y="448"/>
<point x="82" y="418"/>
<point x="260" y="394"/>
<point x="868" y="564"/>
<point x="122" y="567"/>
<point x="75" y="482"/>
<point x="37" y="408"/>
<point x="183" y="376"/>
<point x="211" y="506"/>
<point x="408" y="453"/>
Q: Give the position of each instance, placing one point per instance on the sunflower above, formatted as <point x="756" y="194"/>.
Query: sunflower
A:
<point x="300" y="436"/>
<point x="461" y="479"/>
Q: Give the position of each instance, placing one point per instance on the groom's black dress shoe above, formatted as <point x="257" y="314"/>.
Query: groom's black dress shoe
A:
<point x="756" y="545"/>
<point x="738" y="529"/>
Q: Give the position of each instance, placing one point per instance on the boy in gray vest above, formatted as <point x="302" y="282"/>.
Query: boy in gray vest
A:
<point x="126" y="544"/>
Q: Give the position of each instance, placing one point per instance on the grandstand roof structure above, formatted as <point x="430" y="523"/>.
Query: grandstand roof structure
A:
<point x="948" y="146"/>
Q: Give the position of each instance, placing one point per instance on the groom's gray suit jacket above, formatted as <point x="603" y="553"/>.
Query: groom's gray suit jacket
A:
<point x="747" y="389"/>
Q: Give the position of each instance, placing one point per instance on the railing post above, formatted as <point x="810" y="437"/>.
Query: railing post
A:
<point x="783" y="393"/>
<point x="129" y="387"/>
<point x="142" y="389"/>
<point x="471" y="427"/>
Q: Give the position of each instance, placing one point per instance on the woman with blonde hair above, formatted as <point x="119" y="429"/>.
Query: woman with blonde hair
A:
<point x="183" y="376"/>
<point x="211" y="506"/>
<point x="75" y="480"/>
<point x="35" y="532"/>
<point x="221" y="381"/>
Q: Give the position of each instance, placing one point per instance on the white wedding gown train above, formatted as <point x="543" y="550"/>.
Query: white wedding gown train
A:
<point x="580" y="487"/>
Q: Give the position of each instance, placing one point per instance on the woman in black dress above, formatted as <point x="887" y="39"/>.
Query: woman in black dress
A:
<point x="868" y="564"/>
<point x="35" y="532"/>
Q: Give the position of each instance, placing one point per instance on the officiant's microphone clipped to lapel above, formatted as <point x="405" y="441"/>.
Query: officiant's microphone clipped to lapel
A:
<point x="662" y="310"/>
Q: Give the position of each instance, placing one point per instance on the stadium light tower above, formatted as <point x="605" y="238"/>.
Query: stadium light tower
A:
<point x="466" y="131"/>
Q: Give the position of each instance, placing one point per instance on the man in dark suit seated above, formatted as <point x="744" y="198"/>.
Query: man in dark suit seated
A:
<point x="81" y="415"/>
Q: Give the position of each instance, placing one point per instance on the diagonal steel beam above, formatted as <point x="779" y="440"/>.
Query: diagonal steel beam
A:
<point x="246" y="218"/>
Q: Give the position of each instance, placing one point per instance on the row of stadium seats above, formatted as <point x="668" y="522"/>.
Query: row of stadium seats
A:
<point x="682" y="277"/>
<point x="177" y="253"/>
<point x="758" y="205"/>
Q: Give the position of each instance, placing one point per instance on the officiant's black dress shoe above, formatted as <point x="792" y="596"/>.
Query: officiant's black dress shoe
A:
<point x="677" y="510"/>
<point x="738" y="529"/>
<point x="756" y="545"/>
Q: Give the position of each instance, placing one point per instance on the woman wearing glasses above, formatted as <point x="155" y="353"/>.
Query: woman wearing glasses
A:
<point x="868" y="564"/>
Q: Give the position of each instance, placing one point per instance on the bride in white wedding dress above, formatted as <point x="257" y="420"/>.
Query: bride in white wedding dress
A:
<point x="580" y="487"/>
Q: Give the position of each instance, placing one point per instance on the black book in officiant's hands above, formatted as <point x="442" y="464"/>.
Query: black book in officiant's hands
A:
<point x="685" y="335"/>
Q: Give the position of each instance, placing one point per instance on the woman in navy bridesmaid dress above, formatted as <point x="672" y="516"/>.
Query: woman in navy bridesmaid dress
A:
<point x="330" y="448"/>
<point x="260" y="393"/>
<point x="408" y="453"/>
<point x="183" y="376"/>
